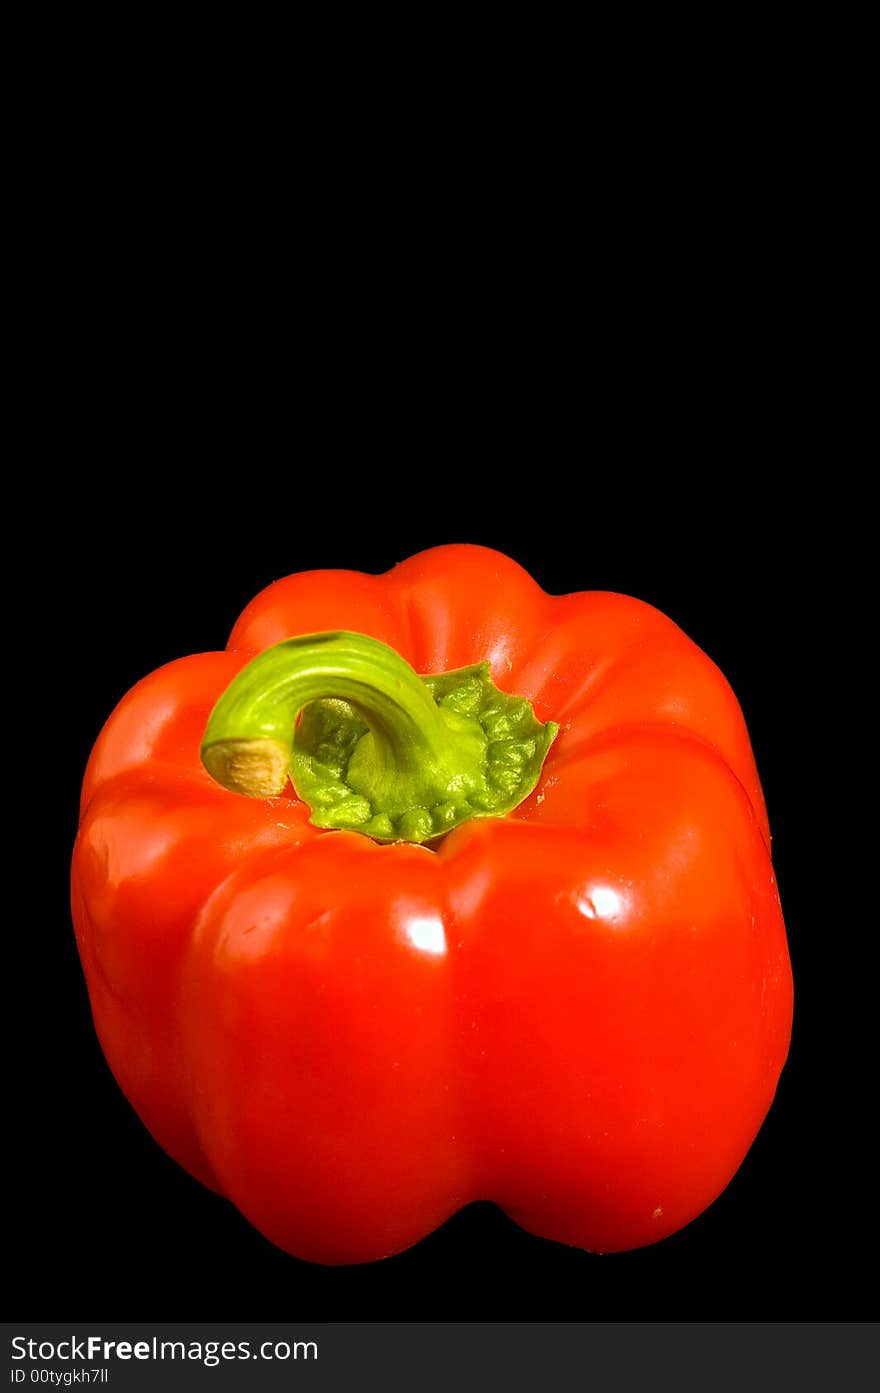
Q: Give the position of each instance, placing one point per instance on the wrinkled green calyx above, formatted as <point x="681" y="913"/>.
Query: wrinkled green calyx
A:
<point x="378" y="749"/>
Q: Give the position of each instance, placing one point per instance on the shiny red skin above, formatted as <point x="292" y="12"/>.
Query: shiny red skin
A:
<point x="579" y="1011"/>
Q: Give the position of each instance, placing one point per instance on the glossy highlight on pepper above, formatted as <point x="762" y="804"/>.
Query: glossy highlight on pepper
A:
<point x="574" y="1000"/>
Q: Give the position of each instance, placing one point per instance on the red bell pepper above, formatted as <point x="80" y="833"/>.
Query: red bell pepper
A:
<point x="471" y="960"/>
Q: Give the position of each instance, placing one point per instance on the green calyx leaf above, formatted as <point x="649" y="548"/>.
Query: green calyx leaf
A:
<point x="377" y="748"/>
<point x="501" y="748"/>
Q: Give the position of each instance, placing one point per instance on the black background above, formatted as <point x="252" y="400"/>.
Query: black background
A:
<point x="678" y="497"/>
<point x="619" y="353"/>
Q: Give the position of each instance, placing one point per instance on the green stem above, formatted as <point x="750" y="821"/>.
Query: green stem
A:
<point x="378" y="748"/>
